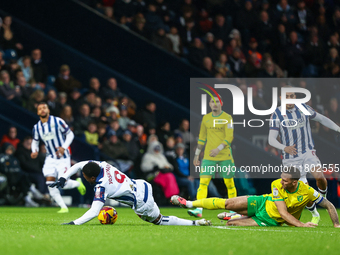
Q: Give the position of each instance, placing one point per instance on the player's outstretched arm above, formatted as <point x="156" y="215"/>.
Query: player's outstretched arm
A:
<point x="89" y="215"/>
<point x="331" y="211"/>
<point x="290" y="219"/>
<point x="326" y="122"/>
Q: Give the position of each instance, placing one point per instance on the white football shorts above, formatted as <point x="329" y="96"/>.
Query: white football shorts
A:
<point x="54" y="167"/>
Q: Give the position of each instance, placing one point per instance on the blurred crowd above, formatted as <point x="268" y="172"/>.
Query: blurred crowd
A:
<point x="237" y="38"/>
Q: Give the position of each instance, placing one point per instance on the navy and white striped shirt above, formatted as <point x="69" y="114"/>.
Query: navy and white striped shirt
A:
<point x="294" y="128"/>
<point x="53" y="134"/>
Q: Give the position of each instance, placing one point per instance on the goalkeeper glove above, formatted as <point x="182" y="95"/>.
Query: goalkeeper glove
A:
<point x="60" y="183"/>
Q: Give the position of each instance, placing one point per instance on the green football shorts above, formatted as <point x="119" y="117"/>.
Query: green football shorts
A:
<point x="257" y="211"/>
<point x="226" y="168"/>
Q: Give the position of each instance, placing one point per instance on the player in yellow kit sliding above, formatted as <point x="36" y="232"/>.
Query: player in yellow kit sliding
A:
<point x="216" y="134"/>
<point x="284" y="205"/>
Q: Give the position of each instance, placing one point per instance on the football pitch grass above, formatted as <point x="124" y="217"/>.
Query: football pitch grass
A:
<point x="38" y="231"/>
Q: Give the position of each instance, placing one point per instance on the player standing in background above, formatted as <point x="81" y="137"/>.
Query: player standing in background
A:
<point x="217" y="135"/>
<point x="57" y="137"/>
<point x="298" y="145"/>
<point x="113" y="184"/>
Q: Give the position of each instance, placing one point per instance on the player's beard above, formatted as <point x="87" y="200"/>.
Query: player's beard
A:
<point x="44" y="116"/>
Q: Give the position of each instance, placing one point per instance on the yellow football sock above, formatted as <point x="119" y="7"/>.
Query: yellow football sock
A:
<point x="202" y="191"/>
<point x="229" y="183"/>
<point x="210" y="203"/>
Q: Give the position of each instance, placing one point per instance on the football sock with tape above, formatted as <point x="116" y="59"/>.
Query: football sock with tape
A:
<point x="71" y="184"/>
<point x="210" y="203"/>
<point x="229" y="183"/>
<point x="55" y="194"/>
<point x="323" y="192"/>
<point x="313" y="210"/>
<point x="173" y="220"/>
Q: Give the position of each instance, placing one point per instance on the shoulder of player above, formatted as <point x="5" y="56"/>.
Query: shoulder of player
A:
<point x="226" y="115"/>
<point x="277" y="184"/>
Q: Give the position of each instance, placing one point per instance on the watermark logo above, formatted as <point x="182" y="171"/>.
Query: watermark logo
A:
<point x="238" y="99"/>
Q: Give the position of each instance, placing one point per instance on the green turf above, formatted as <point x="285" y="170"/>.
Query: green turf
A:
<point x="38" y="231"/>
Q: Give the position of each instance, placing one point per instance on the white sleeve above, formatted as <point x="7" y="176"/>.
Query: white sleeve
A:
<point x="74" y="169"/>
<point x="90" y="214"/>
<point x="326" y="122"/>
<point x="68" y="140"/>
<point x="272" y="139"/>
<point x="35" y="146"/>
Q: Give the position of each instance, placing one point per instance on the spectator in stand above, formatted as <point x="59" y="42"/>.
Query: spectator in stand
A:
<point x="139" y="28"/>
<point x="205" y="22"/>
<point x="66" y="115"/>
<point x="153" y="21"/>
<point x="40" y="71"/>
<point x="82" y="121"/>
<point x="197" y="53"/>
<point x="156" y="167"/>
<point x="147" y="116"/>
<point x="131" y="145"/>
<point x="62" y="100"/>
<point x="2" y="61"/>
<point x="130" y="104"/>
<point x="314" y="56"/>
<point x="159" y="38"/>
<point x="7" y="36"/>
<point x="175" y="41"/>
<point x="66" y="82"/>
<point x="26" y="67"/>
<point x="123" y="119"/>
<point x="332" y="59"/>
<point x="222" y="66"/>
<point x="96" y="115"/>
<point x="284" y="13"/>
<point x="32" y="167"/>
<point x="267" y="57"/>
<point x="253" y="66"/>
<point x="91" y="136"/>
<point x="111" y="90"/>
<point x="109" y="12"/>
<point x="232" y="46"/>
<point x="294" y="55"/>
<point x="10" y="137"/>
<point x="246" y="20"/>
<point x="163" y="132"/>
<point x="73" y="100"/>
<point x="333" y="42"/>
<point x="52" y="102"/>
<point x="237" y="63"/>
<point x="169" y="150"/>
<point x="90" y="99"/>
<point x="101" y="127"/>
<point x="268" y="70"/>
<point x="10" y="167"/>
<point x="208" y="66"/>
<point x="188" y="33"/>
<point x="220" y="28"/>
<point x="253" y="49"/>
<point x="94" y="86"/>
<point x="7" y="88"/>
<point x="36" y="97"/>
<point x="114" y="126"/>
<point x="264" y="32"/>
<point x="25" y="88"/>
<point x="142" y="138"/>
<point x="304" y="18"/>
<point x="182" y="172"/>
<point x="184" y="132"/>
<point x="13" y="69"/>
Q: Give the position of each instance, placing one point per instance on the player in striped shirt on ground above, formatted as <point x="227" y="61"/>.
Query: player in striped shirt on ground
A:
<point x="57" y="137"/>
<point x="297" y="143"/>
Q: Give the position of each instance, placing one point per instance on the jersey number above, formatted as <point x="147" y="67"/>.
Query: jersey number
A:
<point x="119" y="177"/>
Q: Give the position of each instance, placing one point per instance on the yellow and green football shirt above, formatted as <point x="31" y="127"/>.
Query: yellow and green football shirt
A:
<point x="295" y="201"/>
<point x="214" y="131"/>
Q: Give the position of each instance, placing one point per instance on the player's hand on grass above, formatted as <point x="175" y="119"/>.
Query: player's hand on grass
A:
<point x="60" y="151"/>
<point x="309" y="225"/>
<point x="214" y="152"/>
<point x="34" y="154"/>
<point x="69" y="223"/>
<point x="196" y="161"/>
<point x="291" y="150"/>
<point x="59" y="184"/>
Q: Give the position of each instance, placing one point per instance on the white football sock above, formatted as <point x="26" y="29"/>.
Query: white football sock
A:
<point x="173" y="220"/>
<point x="323" y="192"/>
<point x="189" y="204"/>
<point x="313" y="210"/>
<point x="55" y="194"/>
<point x="71" y="184"/>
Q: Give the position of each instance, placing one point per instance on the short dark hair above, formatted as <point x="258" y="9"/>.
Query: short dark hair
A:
<point x="42" y="102"/>
<point x="91" y="169"/>
<point x="293" y="171"/>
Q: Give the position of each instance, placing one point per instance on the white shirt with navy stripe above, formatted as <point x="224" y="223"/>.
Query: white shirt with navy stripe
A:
<point x="296" y="129"/>
<point x="53" y="134"/>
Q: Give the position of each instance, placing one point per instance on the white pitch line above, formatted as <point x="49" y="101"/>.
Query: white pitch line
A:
<point x="272" y="230"/>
